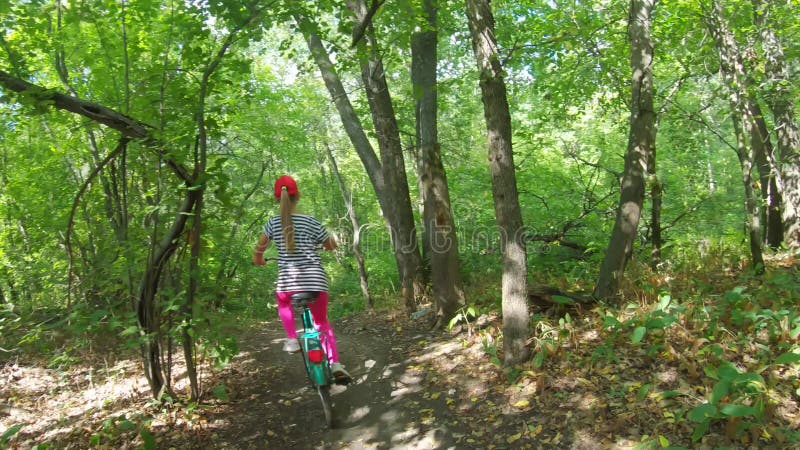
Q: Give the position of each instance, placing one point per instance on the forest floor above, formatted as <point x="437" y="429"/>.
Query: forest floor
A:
<point x="414" y="388"/>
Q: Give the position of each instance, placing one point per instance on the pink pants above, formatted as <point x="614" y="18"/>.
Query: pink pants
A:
<point x="319" y="313"/>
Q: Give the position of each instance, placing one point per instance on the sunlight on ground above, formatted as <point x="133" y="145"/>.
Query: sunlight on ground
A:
<point x="69" y="397"/>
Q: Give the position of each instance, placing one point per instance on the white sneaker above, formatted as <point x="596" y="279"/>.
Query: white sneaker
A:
<point x="291" y="346"/>
<point x="339" y="374"/>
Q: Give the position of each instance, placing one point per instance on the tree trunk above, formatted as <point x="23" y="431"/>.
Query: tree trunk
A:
<point x="641" y="144"/>
<point x="146" y="309"/>
<point x="387" y="175"/>
<point x="733" y="73"/>
<point x="130" y="128"/>
<point x="516" y="327"/>
<point x="780" y="98"/>
<point x="656" y="198"/>
<point x="425" y="238"/>
<point x="656" y="186"/>
<point x="347" y="197"/>
<point x="403" y="229"/>
<point x="187" y="308"/>
<point x="770" y="197"/>
<point x="439" y="225"/>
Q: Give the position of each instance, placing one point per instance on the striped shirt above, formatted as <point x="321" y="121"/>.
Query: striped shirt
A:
<point x="302" y="269"/>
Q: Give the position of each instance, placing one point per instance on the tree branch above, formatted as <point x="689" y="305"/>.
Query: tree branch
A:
<point x="128" y="126"/>
<point x="361" y="27"/>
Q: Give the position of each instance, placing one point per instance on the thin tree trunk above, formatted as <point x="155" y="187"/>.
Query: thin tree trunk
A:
<point x="187" y="309"/>
<point x="224" y="271"/>
<point x="425" y="249"/>
<point x="657" y="198"/>
<point x="733" y="73"/>
<point x="780" y="98"/>
<point x="656" y="186"/>
<point x="387" y="175"/>
<point x="199" y="173"/>
<point x="146" y="308"/>
<point x="770" y="197"/>
<point x="516" y="328"/>
<point x="347" y="197"/>
<point x="641" y="144"/>
<point x="388" y="135"/>
<point x="114" y="208"/>
<point x="448" y="293"/>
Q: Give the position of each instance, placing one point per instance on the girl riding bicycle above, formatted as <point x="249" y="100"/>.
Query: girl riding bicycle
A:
<point x="297" y="238"/>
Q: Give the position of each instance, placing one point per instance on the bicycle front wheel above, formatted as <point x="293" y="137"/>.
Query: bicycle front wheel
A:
<point x="327" y="404"/>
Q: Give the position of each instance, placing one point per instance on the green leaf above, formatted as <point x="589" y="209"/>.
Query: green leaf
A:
<point x="735" y="294"/>
<point x="700" y="430"/>
<point x="638" y="334"/>
<point x="220" y="392"/>
<point x="148" y="438"/>
<point x="538" y="360"/>
<point x="10" y="432"/>
<point x="750" y="378"/>
<point x="738" y="410"/>
<point x="664" y="302"/>
<point x="127" y="425"/>
<point x="720" y="390"/>
<point x="644" y="390"/>
<point x="787" y="358"/>
<point x="131" y="330"/>
<point x="453" y="321"/>
<point x="655" y="323"/>
<point x="702" y="413"/>
<point x="611" y="322"/>
<point x="560" y="299"/>
<point x="727" y="372"/>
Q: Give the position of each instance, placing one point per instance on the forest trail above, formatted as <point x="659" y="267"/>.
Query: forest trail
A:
<point x="414" y="388"/>
<point x="398" y="399"/>
<point x="272" y="406"/>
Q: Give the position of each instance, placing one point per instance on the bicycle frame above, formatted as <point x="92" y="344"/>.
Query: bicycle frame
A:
<point x="313" y="354"/>
<point x="314" y="357"/>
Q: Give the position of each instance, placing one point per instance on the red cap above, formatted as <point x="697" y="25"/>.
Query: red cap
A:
<point x="285" y="182"/>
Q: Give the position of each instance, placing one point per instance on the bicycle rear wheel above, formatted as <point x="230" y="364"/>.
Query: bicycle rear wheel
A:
<point x="327" y="403"/>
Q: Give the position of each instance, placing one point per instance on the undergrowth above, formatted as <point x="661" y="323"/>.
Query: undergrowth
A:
<point x="690" y="358"/>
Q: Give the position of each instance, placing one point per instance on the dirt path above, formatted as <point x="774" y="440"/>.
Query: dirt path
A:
<point x="271" y="405"/>
<point x="413" y="389"/>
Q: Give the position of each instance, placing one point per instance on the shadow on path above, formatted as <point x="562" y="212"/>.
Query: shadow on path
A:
<point x="271" y="404"/>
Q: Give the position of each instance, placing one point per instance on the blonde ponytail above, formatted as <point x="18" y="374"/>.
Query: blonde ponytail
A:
<point x="287" y="227"/>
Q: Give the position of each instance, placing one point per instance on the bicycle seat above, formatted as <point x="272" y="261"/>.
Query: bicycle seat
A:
<point x="304" y="298"/>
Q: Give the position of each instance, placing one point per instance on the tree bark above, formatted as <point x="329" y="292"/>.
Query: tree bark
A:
<point x="347" y="197"/>
<point x="780" y="99"/>
<point x="147" y="312"/>
<point x="386" y="174"/>
<point x="438" y="223"/>
<point x="403" y="228"/>
<point x="763" y="153"/>
<point x="735" y="77"/>
<point x="641" y="143"/>
<point x="508" y="216"/>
